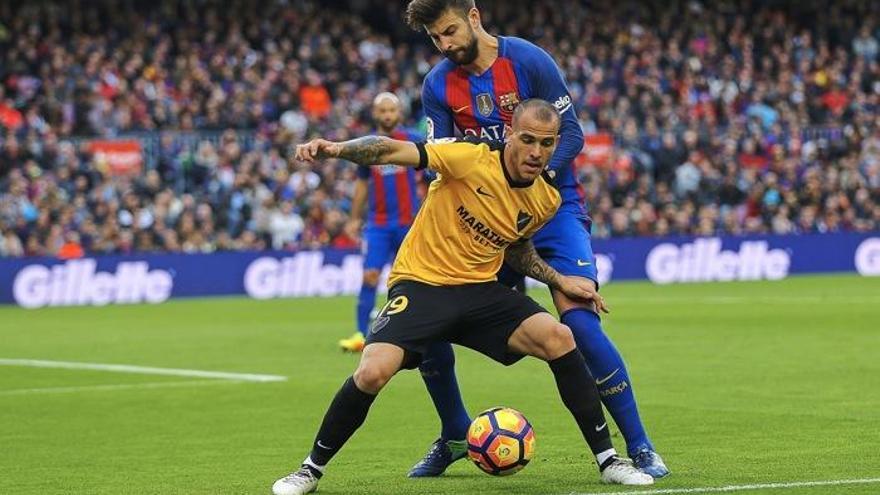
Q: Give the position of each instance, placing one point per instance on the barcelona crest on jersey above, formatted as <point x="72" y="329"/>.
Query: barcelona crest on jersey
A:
<point x="508" y="102"/>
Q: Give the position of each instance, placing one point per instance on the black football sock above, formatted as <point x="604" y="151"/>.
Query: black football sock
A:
<point x="345" y="415"/>
<point x="581" y="397"/>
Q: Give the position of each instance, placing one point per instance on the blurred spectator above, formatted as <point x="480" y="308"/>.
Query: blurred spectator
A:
<point x="285" y="226"/>
<point x="10" y="245"/>
<point x="865" y="45"/>
<point x="314" y="97"/>
<point x="741" y="118"/>
<point x="349" y="238"/>
<point x="71" y="249"/>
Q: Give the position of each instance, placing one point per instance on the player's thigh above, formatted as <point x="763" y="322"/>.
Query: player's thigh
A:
<point x="542" y="336"/>
<point x="494" y="314"/>
<point x="564" y="243"/>
<point x="376" y="247"/>
<point x="415" y="317"/>
<point x="564" y="303"/>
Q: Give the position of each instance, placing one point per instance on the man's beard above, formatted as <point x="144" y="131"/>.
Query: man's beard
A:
<point x="466" y="55"/>
<point x="387" y="127"/>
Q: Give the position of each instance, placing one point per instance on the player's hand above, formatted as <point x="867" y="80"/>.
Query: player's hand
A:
<point x="317" y="149"/>
<point x="581" y="289"/>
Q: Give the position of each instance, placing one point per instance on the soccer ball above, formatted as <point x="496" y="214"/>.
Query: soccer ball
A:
<point x="501" y="441"/>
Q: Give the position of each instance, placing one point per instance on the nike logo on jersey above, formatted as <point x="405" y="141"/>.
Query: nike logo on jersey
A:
<point x="583" y="263"/>
<point x="462" y="109"/>
<point x="484" y="193"/>
<point x="603" y="380"/>
<point x="600" y="428"/>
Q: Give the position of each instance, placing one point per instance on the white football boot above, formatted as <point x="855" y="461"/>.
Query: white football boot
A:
<point x="296" y="483"/>
<point x="621" y="472"/>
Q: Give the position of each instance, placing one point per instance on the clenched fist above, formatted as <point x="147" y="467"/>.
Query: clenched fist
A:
<point x="317" y="149"/>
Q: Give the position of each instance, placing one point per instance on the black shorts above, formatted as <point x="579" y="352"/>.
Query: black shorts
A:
<point x="479" y="316"/>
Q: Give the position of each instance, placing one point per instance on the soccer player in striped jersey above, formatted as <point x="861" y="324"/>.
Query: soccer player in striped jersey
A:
<point x="476" y="90"/>
<point x="390" y="193"/>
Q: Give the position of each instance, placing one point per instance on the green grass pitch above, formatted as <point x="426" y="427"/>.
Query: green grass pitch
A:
<point x="740" y="383"/>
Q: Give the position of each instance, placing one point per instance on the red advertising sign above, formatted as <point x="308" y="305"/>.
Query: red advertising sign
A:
<point x="122" y="157"/>
<point x="598" y="149"/>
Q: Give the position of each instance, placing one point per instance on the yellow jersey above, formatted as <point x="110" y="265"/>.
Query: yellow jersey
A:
<point x="472" y="212"/>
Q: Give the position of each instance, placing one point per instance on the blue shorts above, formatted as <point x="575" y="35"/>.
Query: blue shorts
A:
<point x="380" y="245"/>
<point x="564" y="243"/>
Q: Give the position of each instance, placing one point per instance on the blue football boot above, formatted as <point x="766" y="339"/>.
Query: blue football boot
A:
<point x="439" y="457"/>
<point x="649" y="462"/>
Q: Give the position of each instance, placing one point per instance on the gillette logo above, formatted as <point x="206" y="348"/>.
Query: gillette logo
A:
<point x="78" y="283"/>
<point x="704" y="261"/>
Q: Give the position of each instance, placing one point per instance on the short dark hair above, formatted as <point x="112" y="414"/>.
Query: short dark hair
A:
<point x="542" y="109"/>
<point x="420" y="13"/>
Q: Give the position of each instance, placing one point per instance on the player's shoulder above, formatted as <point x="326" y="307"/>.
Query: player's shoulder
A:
<point x="468" y="150"/>
<point x="492" y="145"/>
<point x="517" y="43"/>
<point x="549" y="178"/>
<point x="521" y="48"/>
<point x="438" y="73"/>
<point x="548" y="185"/>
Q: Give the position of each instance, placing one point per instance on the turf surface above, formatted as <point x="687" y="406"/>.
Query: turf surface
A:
<point x="739" y="383"/>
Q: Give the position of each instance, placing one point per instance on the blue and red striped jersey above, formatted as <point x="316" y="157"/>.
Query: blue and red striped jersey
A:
<point x="482" y="105"/>
<point x="392" y="191"/>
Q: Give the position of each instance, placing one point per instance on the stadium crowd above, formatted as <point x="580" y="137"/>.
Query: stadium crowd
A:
<point x="727" y="117"/>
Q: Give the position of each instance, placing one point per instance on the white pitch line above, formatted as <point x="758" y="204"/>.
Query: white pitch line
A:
<point x="145" y="370"/>
<point x="113" y="387"/>
<point x="738" y="488"/>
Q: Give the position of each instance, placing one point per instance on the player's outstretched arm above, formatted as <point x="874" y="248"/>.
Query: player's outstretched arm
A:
<point x="522" y="257"/>
<point x="369" y="150"/>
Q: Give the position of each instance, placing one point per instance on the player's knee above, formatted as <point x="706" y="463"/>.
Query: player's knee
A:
<point x="371" y="379"/>
<point x="559" y="342"/>
<point x="371" y="278"/>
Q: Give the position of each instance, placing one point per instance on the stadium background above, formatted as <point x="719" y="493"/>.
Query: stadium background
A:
<point x="144" y="155"/>
<point x="729" y="117"/>
<point x="132" y="128"/>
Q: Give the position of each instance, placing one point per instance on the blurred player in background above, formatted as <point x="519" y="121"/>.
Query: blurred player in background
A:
<point x="391" y="195"/>
<point x="476" y="89"/>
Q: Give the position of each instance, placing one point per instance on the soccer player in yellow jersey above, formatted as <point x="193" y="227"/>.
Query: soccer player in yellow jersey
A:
<point x="488" y="200"/>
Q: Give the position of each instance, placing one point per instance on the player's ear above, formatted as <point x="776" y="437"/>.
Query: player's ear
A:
<point x="507" y="130"/>
<point x="474" y="18"/>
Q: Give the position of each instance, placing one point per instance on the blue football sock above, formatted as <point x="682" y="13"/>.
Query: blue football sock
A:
<point x="366" y="301"/>
<point x="438" y="371"/>
<point x="609" y="370"/>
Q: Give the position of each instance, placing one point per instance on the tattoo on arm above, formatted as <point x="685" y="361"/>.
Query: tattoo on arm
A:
<point x="524" y="259"/>
<point x="369" y="150"/>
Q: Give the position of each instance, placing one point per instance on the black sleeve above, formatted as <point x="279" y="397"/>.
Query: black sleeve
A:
<point x="423" y="156"/>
